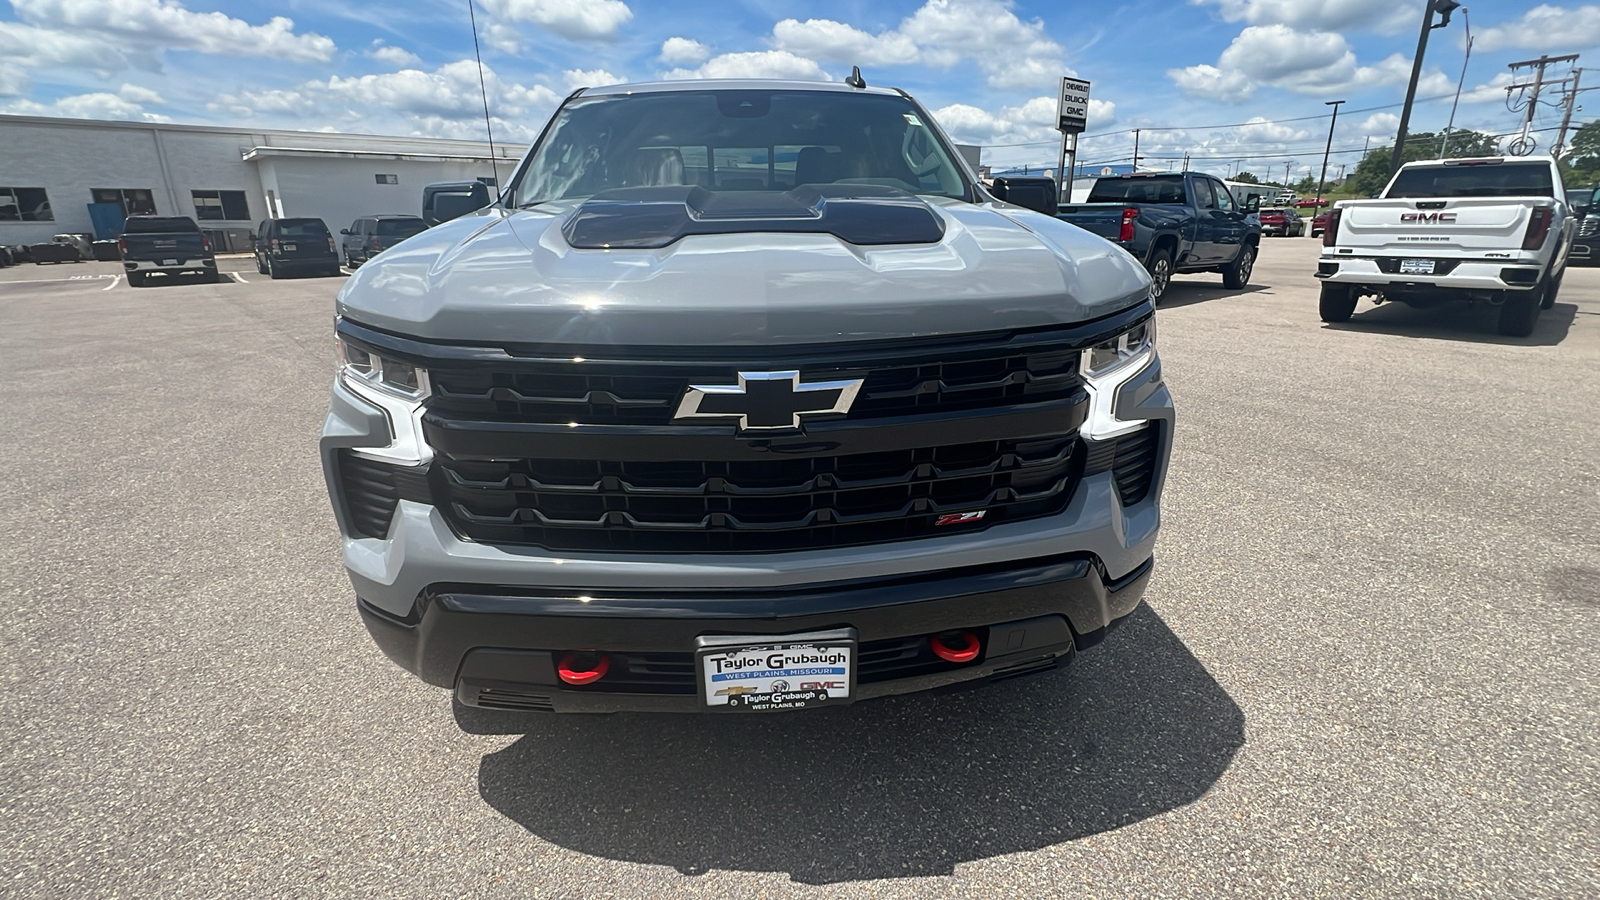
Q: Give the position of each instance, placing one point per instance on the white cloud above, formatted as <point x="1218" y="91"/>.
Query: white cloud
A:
<point x="1492" y="91"/>
<point x="577" y="78"/>
<point x="444" y="102"/>
<point x="1384" y="125"/>
<point x="1031" y="122"/>
<point x="36" y="48"/>
<point x="394" y="56"/>
<point x="157" y="25"/>
<point x="504" y="38"/>
<point x="1211" y="83"/>
<point x="942" y="33"/>
<point x="756" y="64"/>
<point x="1543" y="28"/>
<point x="85" y="106"/>
<point x="13" y="81"/>
<point x="677" y="51"/>
<point x="133" y="93"/>
<point x="580" y="20"/>
<point x="1308" y="62"/>
<point x="841" y="43"/>
<point x="1379" y="15"/>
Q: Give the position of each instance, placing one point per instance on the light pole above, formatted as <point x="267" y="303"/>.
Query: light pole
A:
<point x="1467" y="23"/>
<point x="1326" y="150"/>
<point x="1444" y="8"/>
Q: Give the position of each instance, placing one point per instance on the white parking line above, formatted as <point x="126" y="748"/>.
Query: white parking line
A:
<point x="112" y="284"/>
<point x="239" y="278"/>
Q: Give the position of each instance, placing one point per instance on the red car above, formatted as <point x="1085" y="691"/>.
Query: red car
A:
<point x="1319" y="224"/>
<point x="1310" y="204"/>
<point x="1282" y="221"/>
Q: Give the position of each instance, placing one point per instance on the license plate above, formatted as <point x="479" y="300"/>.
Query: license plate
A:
<point x="1416" y="267"/>
<point x="288" y="246"/>
<point x="169" y="262"/>
<point x="760" y="673"/>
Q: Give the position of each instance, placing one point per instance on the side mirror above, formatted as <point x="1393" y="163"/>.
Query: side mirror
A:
<point x="1252" y="203"/>
<point x="344" y="231"/>
<point x="453" y="199"/>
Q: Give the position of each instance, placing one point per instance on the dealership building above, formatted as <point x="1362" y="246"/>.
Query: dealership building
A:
<point x="85" y="177"/>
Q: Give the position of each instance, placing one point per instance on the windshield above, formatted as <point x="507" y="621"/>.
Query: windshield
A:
<point x="1167" y="189"/>
<point x="401" y="227"/>
<point x="301" y="228"/>
<point x="1481" y="180"/>
<point x="745" y="140"/>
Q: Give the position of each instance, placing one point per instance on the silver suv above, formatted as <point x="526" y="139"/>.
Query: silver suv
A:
<point x="744" y="396"/>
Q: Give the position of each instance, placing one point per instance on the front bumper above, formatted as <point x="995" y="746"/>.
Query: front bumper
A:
<point x="497" y="647"/>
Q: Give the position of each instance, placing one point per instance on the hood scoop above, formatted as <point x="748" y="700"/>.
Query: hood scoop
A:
<point x="647" y="218"/>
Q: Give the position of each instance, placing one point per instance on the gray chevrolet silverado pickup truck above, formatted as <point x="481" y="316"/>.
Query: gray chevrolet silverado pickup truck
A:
<point x="743" y="396"/>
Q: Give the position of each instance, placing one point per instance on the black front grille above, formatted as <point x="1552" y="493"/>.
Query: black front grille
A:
<point x="1134" y="466"/>
<point x="647" y="393"/>
<point x="755" y="505"/>
<point x="372" y="490"/>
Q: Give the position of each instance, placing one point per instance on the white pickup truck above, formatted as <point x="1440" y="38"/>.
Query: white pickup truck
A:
<point x="1483" y="230"/>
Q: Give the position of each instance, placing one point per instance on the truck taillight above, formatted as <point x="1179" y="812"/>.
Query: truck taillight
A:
<point x="1330" y="234"/>
<point x="273" y="245"/>
<point x="1538" y="228"/>
<point x="205" y="242"/>
<point x="375" y="245"/>
<point x="331" y="247"/>
<point x="122" y="247"/>
<point x="1128" y="215"/>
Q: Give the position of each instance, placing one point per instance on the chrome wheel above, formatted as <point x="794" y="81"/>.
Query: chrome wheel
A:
<point x="1160" y="276"/>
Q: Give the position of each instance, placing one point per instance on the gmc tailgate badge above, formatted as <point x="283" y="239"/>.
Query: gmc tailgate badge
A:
<point x="767" y="400"/>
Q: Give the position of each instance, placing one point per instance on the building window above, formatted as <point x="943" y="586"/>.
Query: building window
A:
<point x="221" y="205"/>
<point x="134" y="201"/>
<point x="25" y="205"/>
<point x="489" y="180"/>
<point x="388" y="179"/>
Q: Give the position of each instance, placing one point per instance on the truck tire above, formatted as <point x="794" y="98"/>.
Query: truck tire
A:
<point x="1159" y="265"/>
<point x="261" y="267"/>
<point x="1520" y="312"/>
<point x="1551" y="291"/>
<point x="272" y="270"/>
<point x="1236" y="274"/>
<point x="1337" y="304"/>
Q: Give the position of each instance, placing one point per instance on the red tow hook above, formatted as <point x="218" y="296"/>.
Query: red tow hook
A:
<point x="956" y="647"/>
<point x="583" y="667"/>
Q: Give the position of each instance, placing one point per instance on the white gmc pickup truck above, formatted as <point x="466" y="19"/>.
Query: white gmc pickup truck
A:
<point x="1483" y="230"/>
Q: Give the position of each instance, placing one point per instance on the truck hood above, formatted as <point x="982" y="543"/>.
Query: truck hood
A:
<point x="503" y="277"/>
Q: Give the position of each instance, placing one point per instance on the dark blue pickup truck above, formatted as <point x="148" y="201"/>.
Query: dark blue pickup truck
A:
<point x="1172" y="222"/>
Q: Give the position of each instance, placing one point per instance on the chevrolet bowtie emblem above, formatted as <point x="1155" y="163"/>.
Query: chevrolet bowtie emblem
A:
<point x="767" y="400"/>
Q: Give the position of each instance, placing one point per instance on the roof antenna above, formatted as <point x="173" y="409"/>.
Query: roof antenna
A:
<point x="494" y="163"/>
<point x="855" y="80"/>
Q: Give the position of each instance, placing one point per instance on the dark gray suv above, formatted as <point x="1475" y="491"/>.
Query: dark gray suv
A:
<point x="370" y="235"/>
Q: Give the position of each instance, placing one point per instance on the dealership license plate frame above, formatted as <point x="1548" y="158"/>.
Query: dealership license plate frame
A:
<point x="1417" y="266"/>
<point x="709" y="648"/>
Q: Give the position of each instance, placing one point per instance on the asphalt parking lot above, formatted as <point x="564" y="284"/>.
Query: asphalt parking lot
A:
<point x="1367" y="665"/>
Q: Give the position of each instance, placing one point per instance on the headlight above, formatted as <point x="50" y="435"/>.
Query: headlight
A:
<point x="1106" y="357"/>
<point x="398" y="377"/>
<point x="1106" y="367"/>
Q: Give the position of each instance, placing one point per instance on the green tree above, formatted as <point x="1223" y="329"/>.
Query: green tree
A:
<point x="1246" y="178"/>
<point x="1581" y="164"/>
<point x="1305" y="185"/>
<point x="1373" y="172"/>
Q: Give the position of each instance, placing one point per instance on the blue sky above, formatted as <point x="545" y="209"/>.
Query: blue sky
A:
<point x="987" y="68"/>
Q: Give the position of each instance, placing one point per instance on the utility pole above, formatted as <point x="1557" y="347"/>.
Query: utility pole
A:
<point x="1461" y="82"/>
<point x="1136" y="149"/>
<point x="1524" y="144"/>
<point x="1328" y="149"/>
<point x="1566" y="119"/>
<point x="1444" y="8"/>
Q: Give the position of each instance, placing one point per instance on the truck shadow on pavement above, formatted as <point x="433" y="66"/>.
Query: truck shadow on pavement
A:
<point x="1476" y="322"/>
<point x="899" y="787"/>
<point x="1187" y="293"/>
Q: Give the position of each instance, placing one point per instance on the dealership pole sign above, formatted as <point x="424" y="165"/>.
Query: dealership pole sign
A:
<point x="1072" y="106"/>
<point x="1072" y="117"/>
